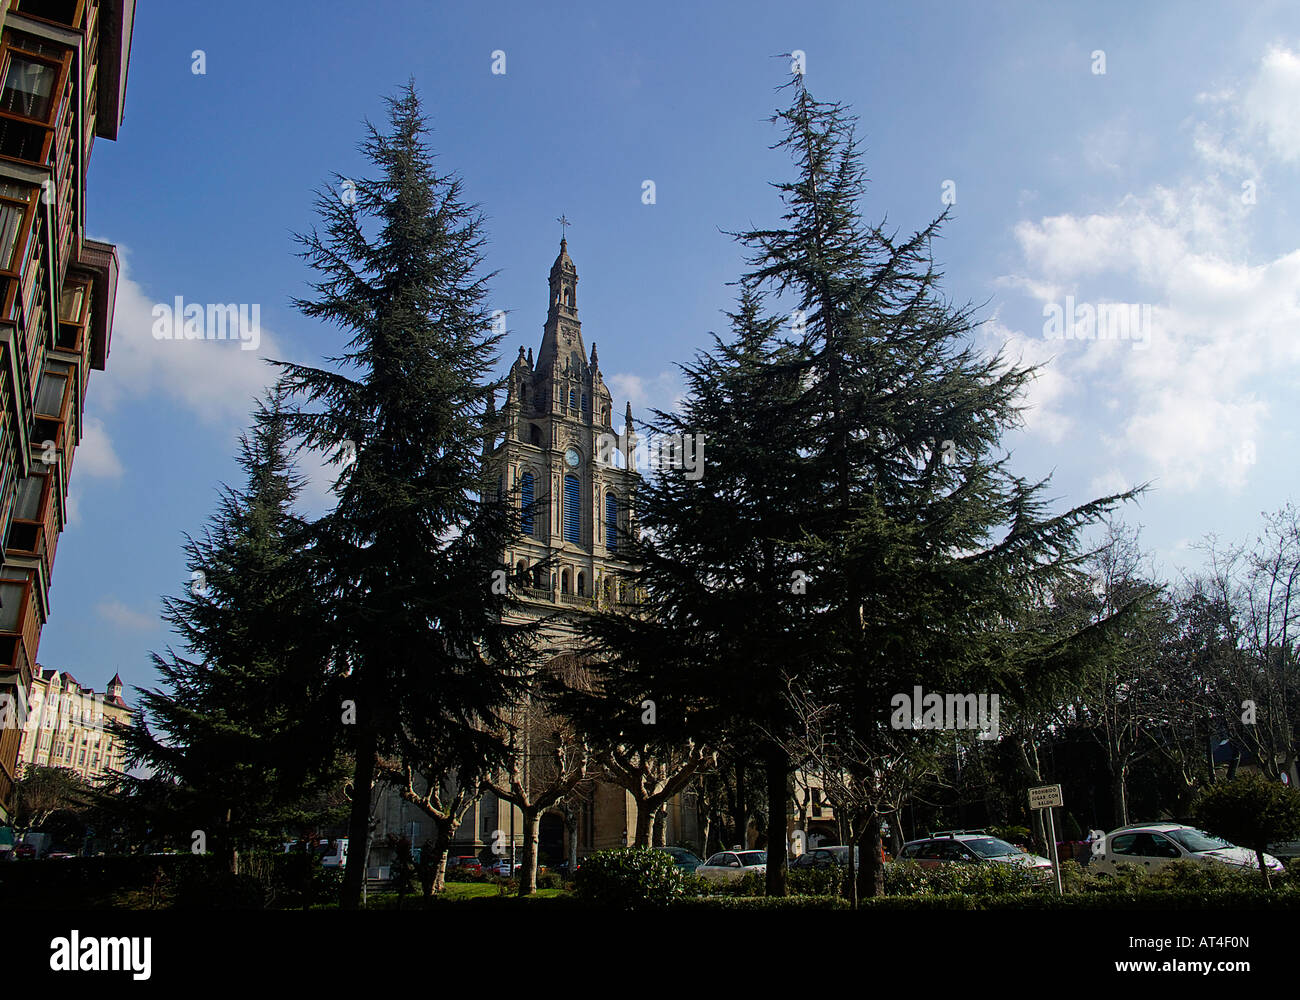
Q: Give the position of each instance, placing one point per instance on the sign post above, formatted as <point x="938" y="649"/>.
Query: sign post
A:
<point x="1045" y="797"/>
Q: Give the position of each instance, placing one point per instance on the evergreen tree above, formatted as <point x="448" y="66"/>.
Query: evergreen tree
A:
<point x="716" y="636"/>
<point x="923" y="546"/>
<point x="238" y="739"/>
<point x="405" y="561"/>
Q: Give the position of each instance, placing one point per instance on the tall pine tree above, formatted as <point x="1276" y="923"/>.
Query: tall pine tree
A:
<point x="238" y="740"/>
<point x="923" y="546"/>
<point x="405" y="561"/>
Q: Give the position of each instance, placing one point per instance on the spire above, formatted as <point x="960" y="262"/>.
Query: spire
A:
<point x="629" y="437"/>
<point x="595" y="361"/>
<point x="562" y="334"/>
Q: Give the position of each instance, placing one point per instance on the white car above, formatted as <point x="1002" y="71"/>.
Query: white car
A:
<point x="728" y="866"/>
<point x="1154" y="845"/>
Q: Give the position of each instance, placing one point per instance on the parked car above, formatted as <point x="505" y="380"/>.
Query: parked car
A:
<point x="970" y="847"/>
<point x="1285" y="849"/>
<point x="503" y="867"/>
<point x="1154" y="845"/>
<point x="825" y="857"/>
<point x="23" y="851"/>
<point x="336" y="854"/>
<point x="728" y="866"/>
<point x="682" y="858"/>
<point x="466" y="862"/>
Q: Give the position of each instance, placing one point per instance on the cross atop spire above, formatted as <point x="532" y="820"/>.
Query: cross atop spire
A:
<point x="564" y="227"/>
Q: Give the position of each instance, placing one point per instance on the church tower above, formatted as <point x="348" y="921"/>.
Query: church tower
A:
<point x="557" y="462"/>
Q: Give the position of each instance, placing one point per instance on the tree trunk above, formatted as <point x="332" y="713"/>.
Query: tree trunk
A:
<point x="851" y="873"/>
<point x="871" y="878"/>
<point x="1263" y="869"/>
<point x="661" y="825"/>
<point x="1119" y="794"/>
<point x="741" y="816"/>
<point x="644" y="820"/>
<point x="438" y="859"/>
<point x="573" y="841"/>
<point x="363" y="775"/>
<point x="778" y="801"/>
<point x="532" y="827"/>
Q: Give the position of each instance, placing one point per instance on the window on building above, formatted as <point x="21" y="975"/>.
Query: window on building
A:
<point x="572" y="511"/>
<point x="582" y="584"/>
<point x="70" y="303"/>
<point x="11" y="604"/>
<point x="564" y="582"/>
<point x="573" y="399"/>
<point x="611" y="521"/>
<point x="11" y="224"/>
<point x="28" y="87"/>
<point x="54" y="385"/>
<point x="27" y="505"/>
<point x="527" y="498"/>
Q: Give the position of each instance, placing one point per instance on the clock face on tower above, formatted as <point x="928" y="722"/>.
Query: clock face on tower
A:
<point x="572" y="458"/>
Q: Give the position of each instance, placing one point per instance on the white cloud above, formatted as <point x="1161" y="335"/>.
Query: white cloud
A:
<point x="662" y="392"/>
<point x="215" y="380"/>
<point x="1270" y="103"/>
<point x="117" y="613"/>
<point x="1192" y="406"/>
<point x="95" y="456"/>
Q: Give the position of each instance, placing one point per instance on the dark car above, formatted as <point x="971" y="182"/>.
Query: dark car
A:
<point x="682" y="858"/>
<point x="825" y="857"/>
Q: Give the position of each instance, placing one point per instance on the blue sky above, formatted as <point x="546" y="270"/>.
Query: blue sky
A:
<point x="1117" y="187"/>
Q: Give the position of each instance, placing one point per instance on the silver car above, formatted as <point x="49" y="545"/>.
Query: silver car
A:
<point x="1152" y="846"/>
<point x="728" y="866"/>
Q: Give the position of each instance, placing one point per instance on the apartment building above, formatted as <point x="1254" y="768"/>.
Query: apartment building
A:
<point x="70" y="725"/>
<point x="63" y="69"/>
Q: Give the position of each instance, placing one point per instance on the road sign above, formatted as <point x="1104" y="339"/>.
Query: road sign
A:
<point x="1048" y="797"/>
<point x="1045" y="797"/>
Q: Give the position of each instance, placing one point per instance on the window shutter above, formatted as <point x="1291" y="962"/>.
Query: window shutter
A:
<point x="572" y="511"/>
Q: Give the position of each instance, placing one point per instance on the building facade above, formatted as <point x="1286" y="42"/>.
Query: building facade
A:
<point x="70" y="725"/>
<point x="572" y="477"/>
<point x="63" y="68"/>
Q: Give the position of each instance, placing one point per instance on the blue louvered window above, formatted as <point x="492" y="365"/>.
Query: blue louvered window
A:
<point x="527" y="496"/>
<point x="611" y="522"/>
<point x="572" y="511"/>
<point x="573" y="399"/>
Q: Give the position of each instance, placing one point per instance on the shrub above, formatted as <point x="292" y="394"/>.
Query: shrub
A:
<point x="1250" y="810"/>
<point x="733" y="903"/>
<point x="907" y="878"/>
<point x="550" y="880"/>
<point x="630" y="878"/>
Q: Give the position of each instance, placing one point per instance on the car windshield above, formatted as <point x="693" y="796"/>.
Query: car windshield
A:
<point x="1196" y="841"/>
<point x="991" y="847"/>
<point x="751" y="858"/>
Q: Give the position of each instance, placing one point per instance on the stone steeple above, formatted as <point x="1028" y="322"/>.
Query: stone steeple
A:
<point x="562" y="336"/>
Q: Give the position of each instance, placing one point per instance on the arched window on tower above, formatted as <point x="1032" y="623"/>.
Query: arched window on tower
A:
<point x="573" y="399"/>
<point x="564" y="582"/>
<point x="611" y="521"/>
<point x="527" y="499"/>
<point x="582" y="584"/>
<point x="572" y="511"/>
